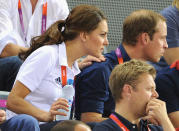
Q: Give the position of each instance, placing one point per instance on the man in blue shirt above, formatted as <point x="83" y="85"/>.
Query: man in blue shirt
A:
<point x="168" y="88"/>
<point x="144" y="37"/>
<point x="133" y="89"/>
<point x="171" y="14"/>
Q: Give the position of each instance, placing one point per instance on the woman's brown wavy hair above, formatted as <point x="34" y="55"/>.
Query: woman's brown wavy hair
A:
<point x="82" y="18"/>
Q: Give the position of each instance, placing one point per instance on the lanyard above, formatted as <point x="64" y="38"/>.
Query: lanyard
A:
<point x="175" y="65"/>
<point x="64" y="75"/>
<point x="44" y="18"/>
<point x="120" y="124"/>
<point x="119" y="55"/>
<point x="64" y="82"/>
<point x="148" y="128"/>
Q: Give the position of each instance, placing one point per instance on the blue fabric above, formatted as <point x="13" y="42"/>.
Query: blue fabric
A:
<point x="160" y="65"/>
<point x="20" y="123"/>
<point x="9" y="67"/>
<point x="25" y="122"/>
<point x="110" y="125"/>
<point x="167" y="83"/>
<point x="92" y="93"/>
<point x="91" y="124"/>
<point x="172" y="16"/>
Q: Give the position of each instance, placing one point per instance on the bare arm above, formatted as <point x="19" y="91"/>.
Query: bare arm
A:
<point x="167" y="125"/>
<point x="174" y="117"/>
<point x="171" y="55"/>
<point x="12" y="50"/>
<point x="92" y="117"/>
<point x="17" y="104"/>
<point x="6" y="27"/>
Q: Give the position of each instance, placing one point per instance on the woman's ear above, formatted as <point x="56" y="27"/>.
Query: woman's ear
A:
<point x="83" y="36"/>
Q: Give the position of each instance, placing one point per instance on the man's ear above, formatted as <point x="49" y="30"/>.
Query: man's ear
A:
<point x="145" y="38"/>
<point x="83" y="36"/>
<point x="126" y="91"/>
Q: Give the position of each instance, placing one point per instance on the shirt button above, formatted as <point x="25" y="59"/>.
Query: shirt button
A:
<point x="133" y="127"/>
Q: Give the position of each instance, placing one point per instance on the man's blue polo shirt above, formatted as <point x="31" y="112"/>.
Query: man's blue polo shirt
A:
<point x="110" y="125"/>
<point x="92" y="93"/>
<point x="167" y="83"/>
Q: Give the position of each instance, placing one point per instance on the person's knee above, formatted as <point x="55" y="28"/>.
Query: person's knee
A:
<point x="16" y="61"/>
<point x="11" y="63"/>
<point x="25" y="122"/>
<point x="26" y="119"/>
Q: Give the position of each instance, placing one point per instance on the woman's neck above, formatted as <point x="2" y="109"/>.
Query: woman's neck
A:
<point x="74" y="51"/>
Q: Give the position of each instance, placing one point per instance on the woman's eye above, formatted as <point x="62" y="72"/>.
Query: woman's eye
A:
<point x="102" y="34"/>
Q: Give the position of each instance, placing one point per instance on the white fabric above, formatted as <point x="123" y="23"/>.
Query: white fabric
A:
<point x="39" y="73"/>
<point x="10" y="28"/>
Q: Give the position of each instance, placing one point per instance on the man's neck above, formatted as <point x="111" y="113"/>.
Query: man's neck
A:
<point x="127" y="113"/>
<point x="134" y="52"/>
<point x="33" y="3"/>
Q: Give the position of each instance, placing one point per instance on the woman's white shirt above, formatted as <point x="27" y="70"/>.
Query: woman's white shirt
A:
<point x="41" y="74"/>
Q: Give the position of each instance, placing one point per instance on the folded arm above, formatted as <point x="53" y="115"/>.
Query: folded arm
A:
<point x="92" y="93"/>
<point x="92" y="117"/>
<point x="12" y="50"/>
<point x="174" y="117"/>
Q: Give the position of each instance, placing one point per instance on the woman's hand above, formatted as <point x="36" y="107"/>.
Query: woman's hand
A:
<point x="61" y="103"/>
<point x="87" y="61"/>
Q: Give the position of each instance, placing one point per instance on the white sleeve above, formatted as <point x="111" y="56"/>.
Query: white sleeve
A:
<point x="6" y="25"/>
<point x="61" y="8"/>
<point x="35" y="68"/>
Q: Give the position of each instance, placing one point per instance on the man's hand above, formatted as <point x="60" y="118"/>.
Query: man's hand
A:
<point x="2" y="116"/>
<point x="156" y="111"/>
<point x="157" y="114"/>
<point x="88" y="61"/>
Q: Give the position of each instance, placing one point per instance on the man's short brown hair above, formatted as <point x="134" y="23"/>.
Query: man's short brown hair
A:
<point x="140" y="21"/>
<point x="67" y="125"/>
<point x="128" y="73"/>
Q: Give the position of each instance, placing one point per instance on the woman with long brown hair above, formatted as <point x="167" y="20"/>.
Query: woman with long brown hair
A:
<point x="50" y="63"/>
